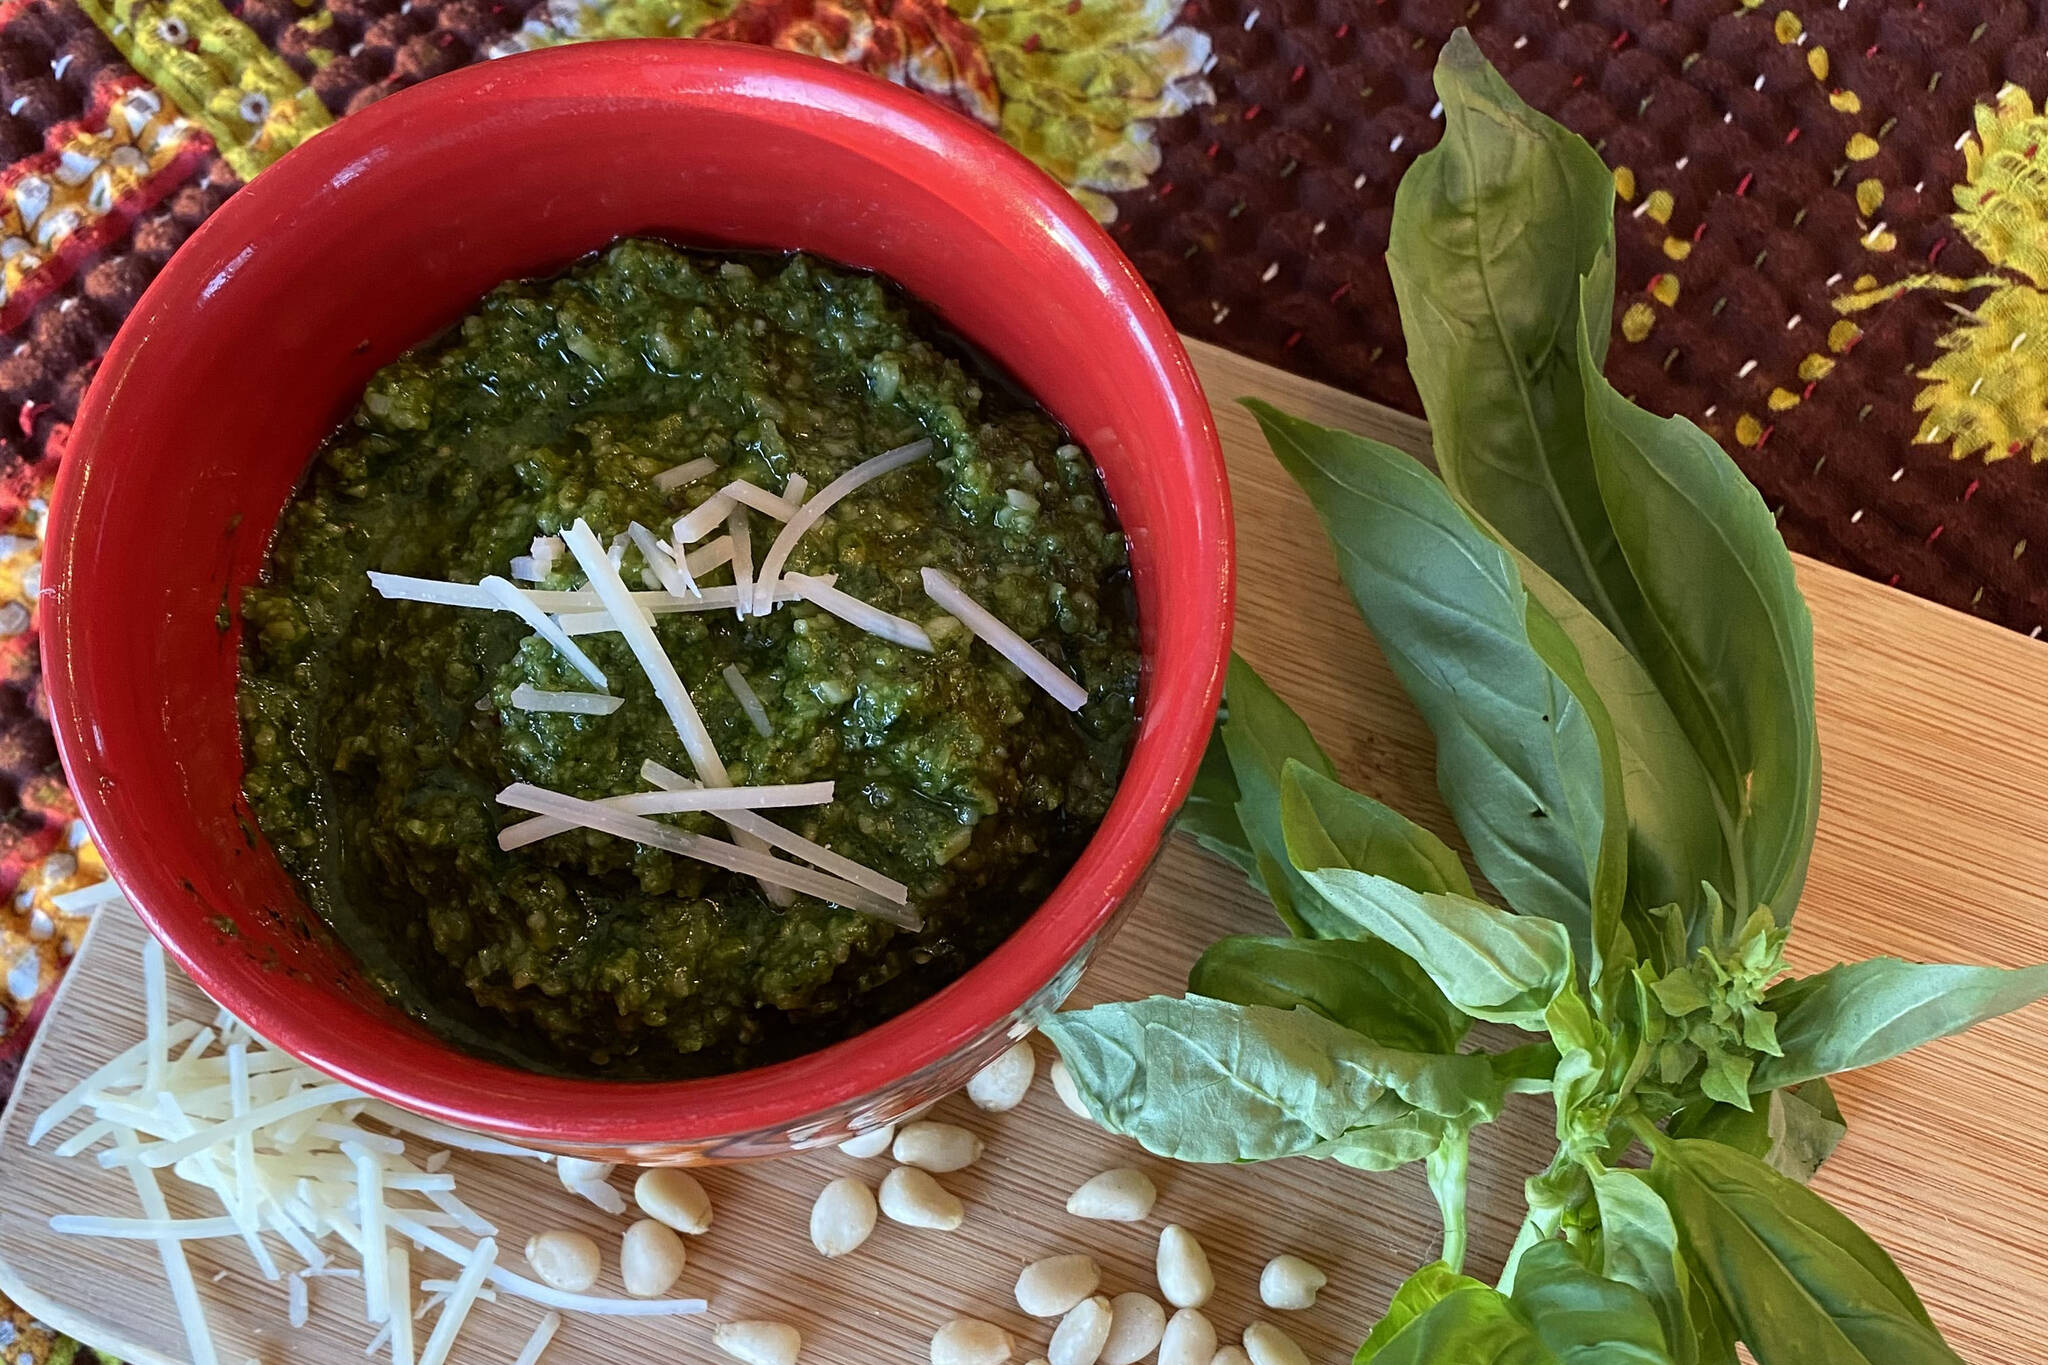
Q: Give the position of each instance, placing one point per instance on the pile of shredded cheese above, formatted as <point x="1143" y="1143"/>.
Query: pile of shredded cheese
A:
<point x="302" y="1168"/>
<point x="606" y="604"/>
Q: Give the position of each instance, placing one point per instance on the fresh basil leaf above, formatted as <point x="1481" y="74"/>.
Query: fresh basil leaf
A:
<point x="1353" y="830"/>
<point x="1261" y="735"/>
<point x="1864" y="1012"/>
<point x="1518" y="759"/>
<point x="1210" y="815"/>
<point x="1417" y="1294"/>
<point x="1791" y="1131"/>
<point x="1386" y="1146"/>
<point x="1799" y="1280"/>
<point x="1472" y="1326"/>
<point x="1584" y="1318"/>
<point x="1721" y="628"/>
<point x="1492" y="230"/>
<point x="1368" y="986"/>
<point x="1206" y="1080"/>
<point x="1446" y="1169"/>
<point x="1639" y="1246"/>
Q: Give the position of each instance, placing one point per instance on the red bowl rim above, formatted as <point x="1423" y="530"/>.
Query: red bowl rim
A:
<point x="457" y="1087"/>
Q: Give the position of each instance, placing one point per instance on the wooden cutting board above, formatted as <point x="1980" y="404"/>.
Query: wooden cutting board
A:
<point x="1933" y="845"/>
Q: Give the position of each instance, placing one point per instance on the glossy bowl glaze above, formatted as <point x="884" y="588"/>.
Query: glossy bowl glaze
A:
<point x="258" y="337"/>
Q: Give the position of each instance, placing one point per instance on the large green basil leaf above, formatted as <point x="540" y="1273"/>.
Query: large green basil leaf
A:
<point x="1800" y="1281"/>
<point x="1206" y="1080"/>
<point x="1471" y="1325"/>
<point x="1859" y="1013"/>
<point x="1721" y="630"/>
<point x="1261" y="735"/>
<point x="1351" y="829"/>
<point x="1210" y="815"/>
<point x="1792" y="1130"/>
<point x="1368" y="986"/>
<point x="1584" y="1318"/>
<point x="1492" y="230"/>
<point x="1388" y="1145"/>
<point x="1418" y="1293"/>
<point x="1518" y="757"/>
<point x="1639" y="1246"/>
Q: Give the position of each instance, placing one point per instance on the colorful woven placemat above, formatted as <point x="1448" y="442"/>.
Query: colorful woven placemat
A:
<point x="1832" y="248"/>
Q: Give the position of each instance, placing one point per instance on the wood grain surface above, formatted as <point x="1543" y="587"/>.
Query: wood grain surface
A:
<point x="1933" y="844"/>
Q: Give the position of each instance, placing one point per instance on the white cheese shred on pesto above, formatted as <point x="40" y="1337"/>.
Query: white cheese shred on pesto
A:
<point x="809" y="850"/>
<point x="401" y="588"/>
<point x="1004" y="641"/>
<point x="708" y="556"/>
<point x="668" y="686"/>
<point x="667" y="576"/>
<point x="651" y="605"/>
<point x="669" y="480"/>
<point x="719" y="801"/>
<point x="794" y="490"/>
<point x="526" y="569"/>
<point x="749" y="700"/>
<point x="807" y="516"/>
<point x="733" y="857"/>
<point x="760" y="499"/>
<point x="866" y="615"/>
<point x="529" y="698"/>
<point x="515" y="601"/>
<point x="742" y="535"/>
<point x="537" y="1344"/>
<point x="702" y="519"/>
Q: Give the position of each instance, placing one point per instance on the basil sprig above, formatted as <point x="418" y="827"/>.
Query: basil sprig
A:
<point x="1594" y="611"/>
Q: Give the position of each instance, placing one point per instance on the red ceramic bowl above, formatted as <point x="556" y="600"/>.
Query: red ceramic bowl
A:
<point x="258" y="337"/>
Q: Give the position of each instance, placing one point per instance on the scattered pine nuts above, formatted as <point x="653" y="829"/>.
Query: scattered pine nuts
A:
<point x="1230" y="1355"/>
<point x="1124" y="1195"/>
<point x="650" y="1259"/>
<point x="911" y="1197"/>
<point x="936" y="1147"/>
<point x="589" y="1179"/>
<point x="1079" y="1337"/>
<point x="843" y="1217"/>
<point x="1190" y="1339"/>
<point x="1268" y="1345"/>
<point x="567" y="1260"/>
<point x="1290" y="1282"/>
<point x="759" y="1343"/>
<point x="674" y="1197"/>
<point x="1184" y="1274"/>
<point x="1063" y="1086"/>
<point x="1050" y="1288"/>
<point x="1002" y="1084"/>
<point x="970" y="1341"/>
<point x="1136" y="1325"/>
<point x="874" y="1142"/>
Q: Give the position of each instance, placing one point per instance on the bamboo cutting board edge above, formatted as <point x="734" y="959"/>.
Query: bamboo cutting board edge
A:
<point x="1925" y="713"/>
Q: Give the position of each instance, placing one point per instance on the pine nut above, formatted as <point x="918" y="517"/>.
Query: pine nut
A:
<point x="936" y="1147"/>
<point x="911" y="1197"/>
<point x="1184" y="1274"/>
<point x="1190" y="1339"/>
<point x="1124" y="1195"/>
<point x="759" y="1343"/>
<point x="970" y="1341"/>
<point x="1050" y="1288"/>
<point x="567" y="1260"/>
<point x="843" y="1217"/>
<point x="1230" y="1355"/>
<point x="1079" y="1337"/>
<point x="650" y="1259"/>
<point x="1063" y="1086"/>
<point x="1002" y="1084"/>
<point x="1268" y="1345"/>
<point x="874" y="1142"/>
<point x="674" y="1197"/>
<point x="1136" y="1325"/>
<point x="1290" y="1282"/>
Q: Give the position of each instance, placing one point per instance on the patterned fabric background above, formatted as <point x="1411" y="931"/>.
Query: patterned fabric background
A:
<point x="1833" y="253"/>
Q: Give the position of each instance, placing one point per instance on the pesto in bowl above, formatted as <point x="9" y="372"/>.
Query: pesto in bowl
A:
<point x="380" y="733"/>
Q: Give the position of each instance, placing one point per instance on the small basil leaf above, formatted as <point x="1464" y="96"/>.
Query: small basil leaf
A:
<point x="1639" y="1246"/>
<point x="1584" y="1318"/>
<point x="1721" y="628"/>
<point x="1206" y="1080"/>
<point x="1353" y="830"/>
<point x="1419" y="1293"/>
<point x="1472" y="1326"/>
<point x="1388" y="1145"/>
<point x="1864" y="1012"/>
<point x="1210" y="815"/>
<point x="1791" y="1131"/>
<point x="1367" y="986"/>
<point x="1518" y="759"/>
<point x="1261" y="735"/>
<point x="1799" y="1280"/>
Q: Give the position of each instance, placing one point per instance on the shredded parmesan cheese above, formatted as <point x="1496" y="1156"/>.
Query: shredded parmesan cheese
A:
<point x="807" y="516"/>
<point x="757" y="714"/>
<point x="1004" y="641"/>
<point x="514" y="601"/>
<point x="708" y="556"/>
<point x="526" y="569"/>
<point x="650" y="605"/>
<point x="794" y="490"/>
<point x="544" y="1333"/>
<point x="694" y="525"/>
<point x="760" y="499"/>
<point x="664" y="568"/>
<point x="867" y="616"/>
<point x="669" y="480"/>
<point x="460" y="1299"/>
<point x="528" y="698"/>
<point x="719" y="800"/>
<point x="742" y="561"/>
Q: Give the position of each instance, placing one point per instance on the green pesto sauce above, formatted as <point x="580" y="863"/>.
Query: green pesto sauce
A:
<point x="379" y="732"/>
